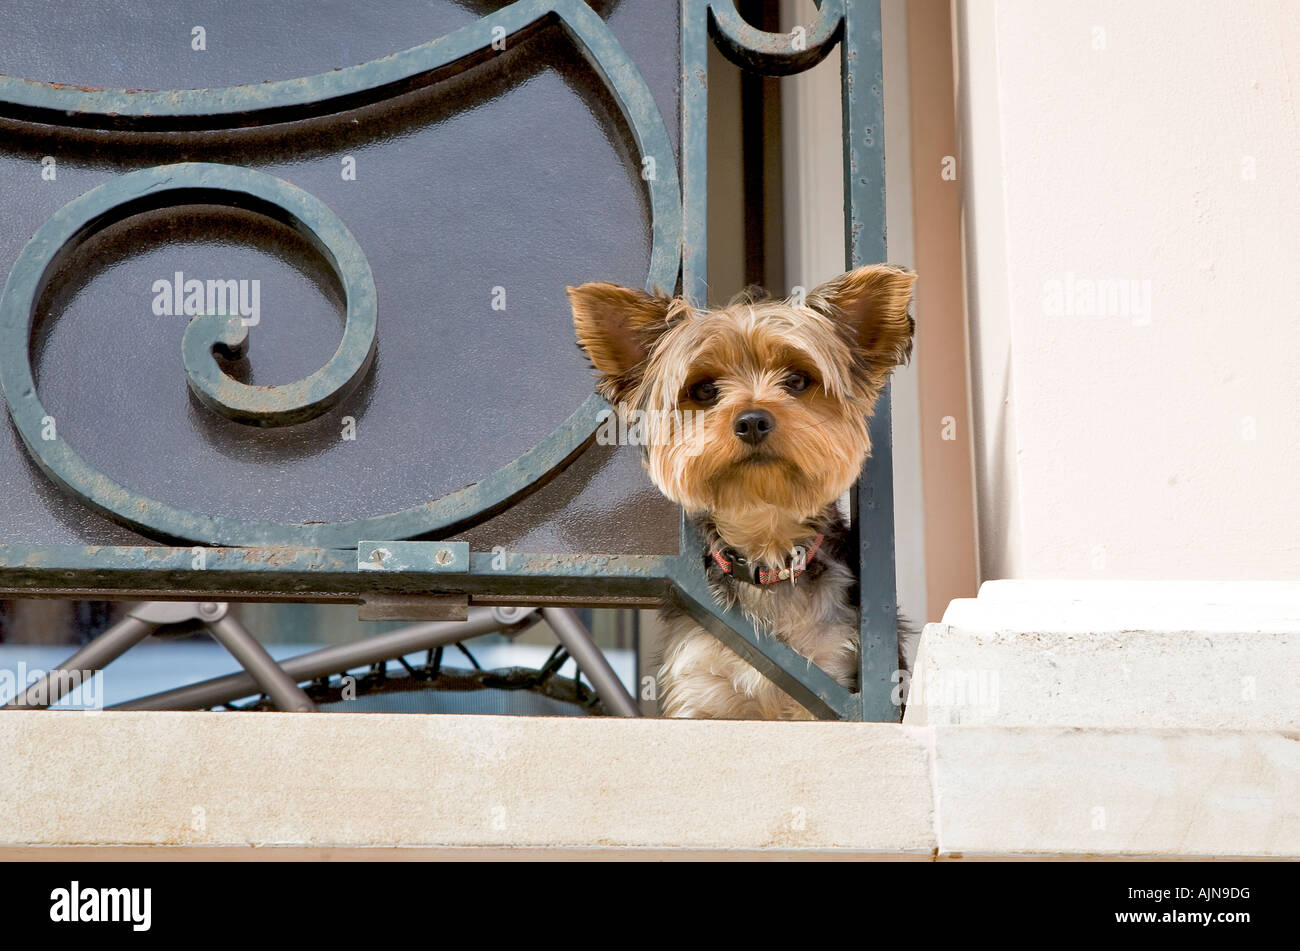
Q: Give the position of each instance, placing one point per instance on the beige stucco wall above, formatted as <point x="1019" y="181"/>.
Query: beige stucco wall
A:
<point x="1153" y="145"/>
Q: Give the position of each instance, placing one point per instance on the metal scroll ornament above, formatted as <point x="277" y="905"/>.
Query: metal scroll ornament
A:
<point x="188" y="183"/>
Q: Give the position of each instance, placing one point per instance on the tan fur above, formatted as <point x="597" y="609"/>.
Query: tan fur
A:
<point x="650" y="351"/>
<point x="700" y="677"/>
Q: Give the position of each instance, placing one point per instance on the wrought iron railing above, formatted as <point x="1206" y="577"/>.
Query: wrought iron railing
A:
<point x="411" y="555"/>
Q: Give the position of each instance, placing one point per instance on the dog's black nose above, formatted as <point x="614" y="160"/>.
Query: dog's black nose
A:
<point x="754" y="425"/>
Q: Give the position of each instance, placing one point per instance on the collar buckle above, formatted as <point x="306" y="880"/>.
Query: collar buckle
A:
<point x="733" y="563"/>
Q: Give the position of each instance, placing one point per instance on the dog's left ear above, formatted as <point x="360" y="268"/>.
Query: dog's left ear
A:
<point x="616" y="327"/>
<point x="870" y="303"/>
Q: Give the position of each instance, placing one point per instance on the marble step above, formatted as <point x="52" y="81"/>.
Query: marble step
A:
<point x="1204" y="655"/>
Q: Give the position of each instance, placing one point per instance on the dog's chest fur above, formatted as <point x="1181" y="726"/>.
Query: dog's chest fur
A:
<point x="700" y="677"/>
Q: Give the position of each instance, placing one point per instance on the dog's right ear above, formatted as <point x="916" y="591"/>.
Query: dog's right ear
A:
<point x="616" y="328"/>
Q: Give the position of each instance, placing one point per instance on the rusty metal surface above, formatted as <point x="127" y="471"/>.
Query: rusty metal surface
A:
<point x="864" y="243"/>
<point x="777" y="54"/>
<point x="413" y="607"/>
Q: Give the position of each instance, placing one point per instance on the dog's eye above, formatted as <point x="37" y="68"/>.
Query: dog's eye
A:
<point x="704" y="392"/>
<point x="797" y="381"/>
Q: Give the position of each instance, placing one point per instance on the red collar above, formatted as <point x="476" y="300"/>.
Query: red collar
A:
<point x="733" y="564"/>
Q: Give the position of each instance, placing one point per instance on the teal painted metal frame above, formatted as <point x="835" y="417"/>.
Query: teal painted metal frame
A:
<point x="283" y="561"/>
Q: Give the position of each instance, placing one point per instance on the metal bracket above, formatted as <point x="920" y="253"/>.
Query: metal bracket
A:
<point x="381" y="606"/>
<point x="439" y="558"/>
<point x="160" y="613"/>
<point x="431" y="557"/>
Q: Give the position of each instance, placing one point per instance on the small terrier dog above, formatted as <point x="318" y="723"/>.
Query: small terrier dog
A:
<point x="778" y="394"/>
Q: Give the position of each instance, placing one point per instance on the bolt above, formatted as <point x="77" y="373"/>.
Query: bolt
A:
<point x="510" y="614"/>
<point x="443" y="556"/>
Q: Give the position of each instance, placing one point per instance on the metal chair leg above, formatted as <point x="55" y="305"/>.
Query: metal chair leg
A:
<point x="589" y="658"/>
<point x="331" y="660"/>
<point x="282" y="689"/>
<point x="95" y="656"/>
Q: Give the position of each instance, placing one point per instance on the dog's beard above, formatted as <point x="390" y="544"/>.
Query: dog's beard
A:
<point x="761" y="477"/>
<point x="761" y="501"/>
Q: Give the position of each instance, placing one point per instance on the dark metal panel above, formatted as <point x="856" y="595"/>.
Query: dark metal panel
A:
<point x="455" y="184"/>
<point x="571" y="513"/>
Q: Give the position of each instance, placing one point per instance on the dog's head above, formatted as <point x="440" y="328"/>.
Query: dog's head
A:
<point x="756" y="411"/>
